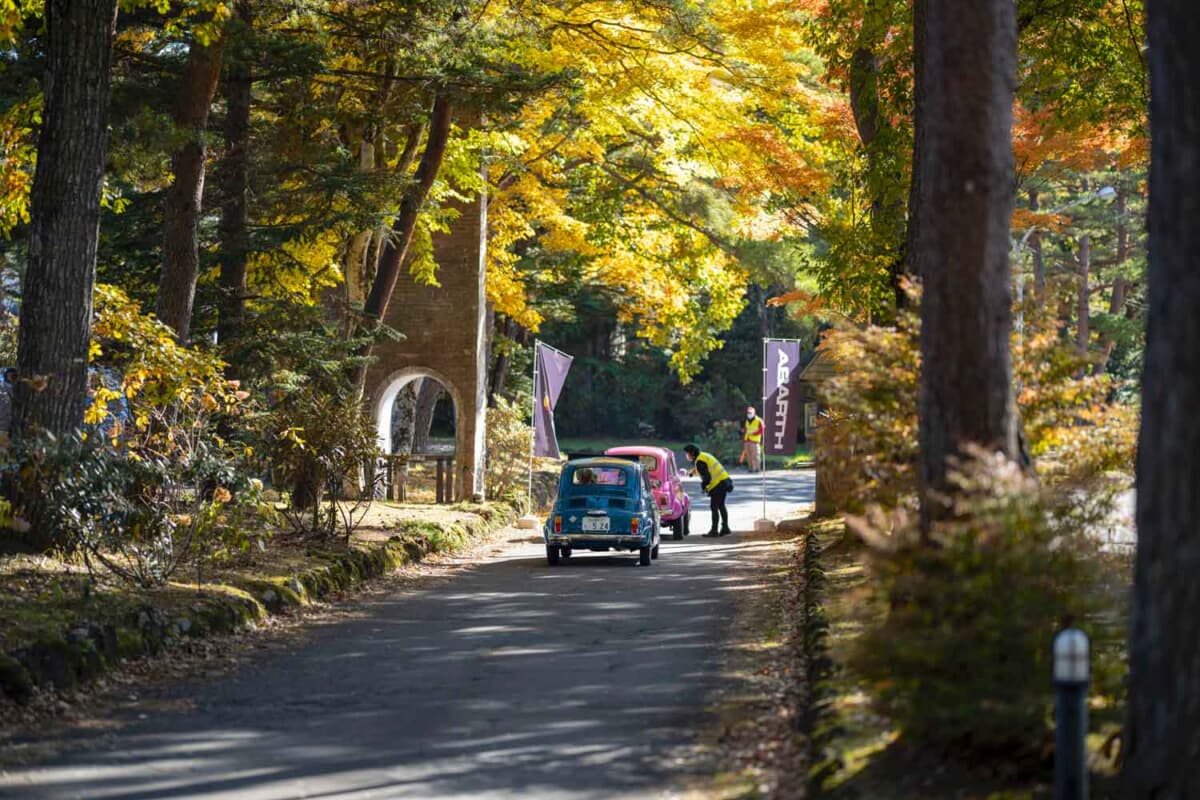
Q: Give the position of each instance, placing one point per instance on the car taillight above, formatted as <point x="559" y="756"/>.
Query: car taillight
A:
<point x="633" y="525"/>
<point x="558" y="524"/>
<point x="662" y="501"/>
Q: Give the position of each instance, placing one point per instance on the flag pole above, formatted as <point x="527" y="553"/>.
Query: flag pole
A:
<point x="765" y="524"/>
<point x="533" y="422"/>
<point x="529" y="520"/>
<point x="762" y="444"/>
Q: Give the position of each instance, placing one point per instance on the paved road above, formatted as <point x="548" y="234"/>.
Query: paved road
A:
<point x="787" y="493"/>
<point x="511" y="680"/>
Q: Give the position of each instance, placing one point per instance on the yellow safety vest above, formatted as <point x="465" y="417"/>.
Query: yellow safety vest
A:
<point x="716" y="473"/>
<point x="754" y="430"/>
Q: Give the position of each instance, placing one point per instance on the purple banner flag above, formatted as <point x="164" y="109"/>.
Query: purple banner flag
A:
<point x="781" y="388"/>
<point x="552" y="368"/>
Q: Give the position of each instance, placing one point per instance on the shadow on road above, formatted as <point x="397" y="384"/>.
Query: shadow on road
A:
<point x="513" y="680"/>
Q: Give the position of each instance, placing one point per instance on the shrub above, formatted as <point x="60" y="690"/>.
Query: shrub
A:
<point x="508" y="443"/>
<point x="313" y="434"/>
<point x="141" y="516"/>
<point x="724" y="440"/>
<point x="866" y="442"/>
<point x="152" y="378"/>
<point x="961" y="657"/>
<point x="151" y="481"/>
<point x="1075" y="430"/>
<point x="325" y="448"/>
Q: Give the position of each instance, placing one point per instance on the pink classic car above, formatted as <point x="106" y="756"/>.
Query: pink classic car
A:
<point x="674" y="505"/>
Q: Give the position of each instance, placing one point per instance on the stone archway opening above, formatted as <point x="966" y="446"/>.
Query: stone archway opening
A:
<point x="418" y="417"/>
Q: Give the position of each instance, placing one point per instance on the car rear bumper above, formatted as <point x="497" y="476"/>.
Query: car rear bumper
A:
<point x="670" y="515"/>
<point x="567" y="539"/>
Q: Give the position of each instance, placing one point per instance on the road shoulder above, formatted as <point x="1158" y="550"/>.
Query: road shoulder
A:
<point x="754" y="746"/>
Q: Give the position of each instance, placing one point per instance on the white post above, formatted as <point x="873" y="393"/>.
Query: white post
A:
<point x="530" y="520"/>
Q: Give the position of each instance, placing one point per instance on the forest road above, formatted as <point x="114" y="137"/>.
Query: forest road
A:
<point x="512" y="679"/>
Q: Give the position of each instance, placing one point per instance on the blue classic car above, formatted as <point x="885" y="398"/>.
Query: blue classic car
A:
<point x="603" y="504"/>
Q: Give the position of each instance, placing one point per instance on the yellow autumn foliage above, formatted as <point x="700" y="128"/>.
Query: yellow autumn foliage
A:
<point x="867" y="438"/>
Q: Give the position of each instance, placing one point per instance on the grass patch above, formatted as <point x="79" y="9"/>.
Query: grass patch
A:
<point x="61" y="627"/>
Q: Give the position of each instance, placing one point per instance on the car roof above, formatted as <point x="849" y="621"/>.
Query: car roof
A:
<point x="602" y="461"/>
<point x="638" y="449"/>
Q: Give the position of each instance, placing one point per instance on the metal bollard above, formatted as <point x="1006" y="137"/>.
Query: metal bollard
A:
<point x="1072" y="673"/>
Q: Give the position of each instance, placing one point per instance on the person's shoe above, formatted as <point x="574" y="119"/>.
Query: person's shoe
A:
<point x="712" y="533"/>
<point x="726" y="532"/>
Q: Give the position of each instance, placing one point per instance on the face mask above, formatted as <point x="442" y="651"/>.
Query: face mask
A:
<point x="750" y="416"/>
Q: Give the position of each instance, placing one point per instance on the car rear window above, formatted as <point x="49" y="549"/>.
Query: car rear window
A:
<point x="600" y="476"/>
<point x="649" y="462"/>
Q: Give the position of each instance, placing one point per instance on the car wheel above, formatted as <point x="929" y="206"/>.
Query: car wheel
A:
<point x="687" y="523"/>
<point x="565" y="553"/>
<point x="654" y="551"/>
<point x="551" y="555"/>
<point x="644" y="556"/>
<point x="677" y="529"/>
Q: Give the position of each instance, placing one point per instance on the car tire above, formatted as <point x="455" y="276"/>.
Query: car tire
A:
<point x="654" y="552"/>
<point x="677" y="529"/>
<point x="644" y="556"/>
<point x="687" y="523"/>
<point x="565" y="553"/>
<point x="552" y="555"/>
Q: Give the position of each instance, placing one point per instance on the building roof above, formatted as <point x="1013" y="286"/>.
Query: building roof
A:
<point x="820" y="367"/>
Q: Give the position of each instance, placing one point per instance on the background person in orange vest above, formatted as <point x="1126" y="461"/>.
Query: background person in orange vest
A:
<point x="752" y="433"/>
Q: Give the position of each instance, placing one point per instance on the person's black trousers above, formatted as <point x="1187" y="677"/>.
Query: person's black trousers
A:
<point x="716" y="500"/>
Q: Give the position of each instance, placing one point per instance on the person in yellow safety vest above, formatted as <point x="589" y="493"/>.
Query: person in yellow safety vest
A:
<point x="752" y="434"/>
<point x="716" y="484"/>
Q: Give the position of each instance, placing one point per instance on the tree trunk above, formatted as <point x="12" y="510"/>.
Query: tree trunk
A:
<point x="887" y="210"/>
<point x="1162" y="730"/>
<point x="965" y="203"/>
<point x="431" y="392"/>
<point x="181" y="213"/>
<point x="1035" y="248"/>
<point x="912" y="234"/>
<point x="307" y="488"/>
<point x="1083" y="315"/>
<point x="355" y="267"/>
<point x="396" y="247"/>
<point x="403" y="414"/>
<point x="1120" y="290"/>
<point x="56" y="310"/>
<point x="366" y="247"/>
<point x="234" y="227"/>
<point x="503" y="363"/>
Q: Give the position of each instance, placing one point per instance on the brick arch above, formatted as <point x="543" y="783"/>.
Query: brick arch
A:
<point x="385" y="398"/>
<point x="444" y="330"/>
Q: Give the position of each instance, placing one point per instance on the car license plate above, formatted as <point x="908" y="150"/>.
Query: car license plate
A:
<point x="595" y="524"/>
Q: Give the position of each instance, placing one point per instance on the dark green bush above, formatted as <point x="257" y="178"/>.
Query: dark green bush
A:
<point x="139" y="514"/>
<point x="724" y="440"/>
<point x="961" y="657"/>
